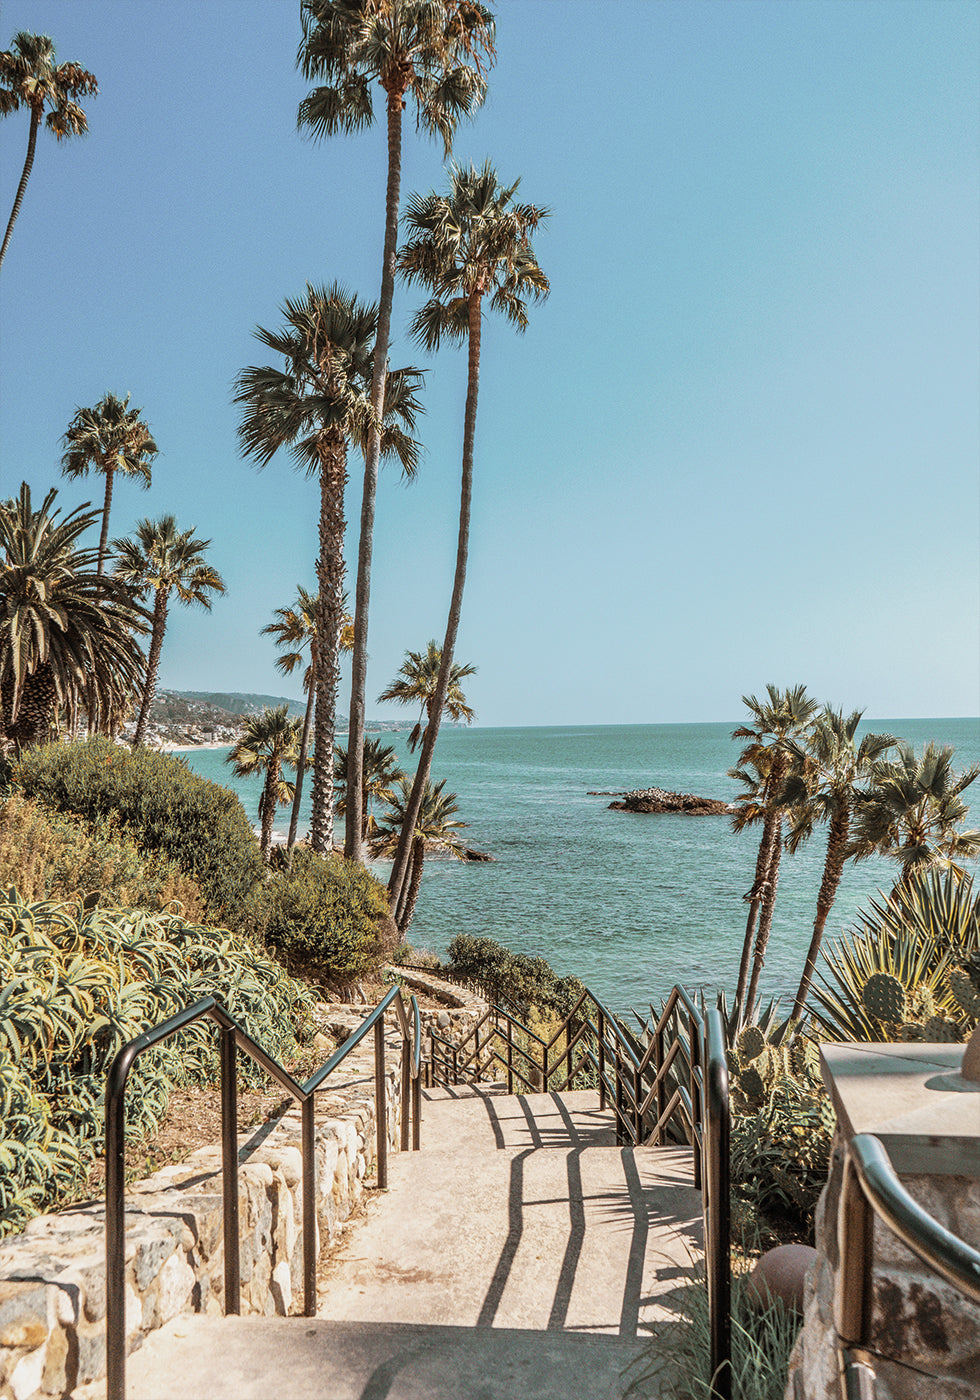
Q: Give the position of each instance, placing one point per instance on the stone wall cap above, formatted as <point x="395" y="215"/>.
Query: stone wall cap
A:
<point x="912" y="1098"/>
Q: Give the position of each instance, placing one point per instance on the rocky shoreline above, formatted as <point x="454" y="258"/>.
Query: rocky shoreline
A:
<point x="656" y="799"/>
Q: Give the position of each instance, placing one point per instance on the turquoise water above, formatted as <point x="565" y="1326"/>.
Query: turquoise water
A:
<point x="630" y="903"/>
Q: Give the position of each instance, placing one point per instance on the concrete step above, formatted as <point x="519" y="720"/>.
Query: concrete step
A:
<point x="199" y="1358"/>
<point x="486" y="1118"/>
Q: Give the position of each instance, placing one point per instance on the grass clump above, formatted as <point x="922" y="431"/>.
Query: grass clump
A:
<point x="77" y="985"/>
<point x="163" y="807"/>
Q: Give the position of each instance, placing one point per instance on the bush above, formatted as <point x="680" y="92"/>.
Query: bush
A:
<point x="51" y="855"/>
<point x="77" y="985"/>
<point x="514" y="979"/>
<point x="329" y="917"/>
<point x="164" y="807"/>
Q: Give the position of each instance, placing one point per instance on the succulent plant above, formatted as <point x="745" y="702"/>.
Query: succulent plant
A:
<point x="804" y="1058"/>
<point x="750" y="1044"/>
<point x="883" y="996"/>
<point x="752" y="1085"/>
<point x="964" y="990"/>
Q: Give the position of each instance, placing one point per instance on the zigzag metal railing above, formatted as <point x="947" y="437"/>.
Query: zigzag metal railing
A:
<point x="645" y="1087"/>
<point x="871" y="1187"/>
<point x="233" y="1038"/>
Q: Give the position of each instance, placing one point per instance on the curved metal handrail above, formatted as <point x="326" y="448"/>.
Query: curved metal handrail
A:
<point x="234" y="1038"/>
<point x="872" y="1187"/>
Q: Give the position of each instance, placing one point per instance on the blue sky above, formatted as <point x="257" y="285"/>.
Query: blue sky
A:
<point x="738" y="444"/>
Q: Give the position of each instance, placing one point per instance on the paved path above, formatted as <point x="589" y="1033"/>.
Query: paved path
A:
<point x="521" y="1255"/>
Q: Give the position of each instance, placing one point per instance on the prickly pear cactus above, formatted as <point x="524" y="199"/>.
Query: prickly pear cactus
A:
<point x="937" y="1030"/>
<point x="922" y="1004"/>
<point x="750" y="1044"/>
<point x="884" y="997"/>
<point x="964" y="992"/>
<point x="752" y="1085"/>
<point x="804" y="1058"/>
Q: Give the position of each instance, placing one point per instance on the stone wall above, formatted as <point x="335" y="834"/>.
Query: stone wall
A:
<point x="52" y="1276"/>
<point x="928" y="1325"/>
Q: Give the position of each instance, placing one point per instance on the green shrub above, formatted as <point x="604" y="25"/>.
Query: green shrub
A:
<point x="329" y="916"/>
<point x="164" y="807"/>
<point x="515" y="979"/>
<point x="77" y="985"/>
<point x="52" y="855"/>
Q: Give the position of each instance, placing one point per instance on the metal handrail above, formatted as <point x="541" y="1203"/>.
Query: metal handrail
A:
<point x="871" y="1187"/>
<point x="233" y="1038"/>
<point x="637" y="1087"/>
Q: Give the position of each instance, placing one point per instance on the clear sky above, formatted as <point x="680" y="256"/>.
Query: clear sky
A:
<point x="739" y="443"/>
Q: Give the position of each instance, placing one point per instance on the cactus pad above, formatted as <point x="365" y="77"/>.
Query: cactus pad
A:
<point x="804" y="1058"/>
<point x="752" y="1085"/>
<point x="939" y="1031"/>
<point x="966" y="995"/>
<point x="750" y="1044"/>
<point x="884" y="997"/>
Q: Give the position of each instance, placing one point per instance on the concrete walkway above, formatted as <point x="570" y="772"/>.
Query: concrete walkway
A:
<point x="520" y="1255"/>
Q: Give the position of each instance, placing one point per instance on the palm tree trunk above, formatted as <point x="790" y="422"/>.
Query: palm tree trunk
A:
<point x="152" y="664"/>
<point x="330" y="576"/>
<point x="104" y="536"/>
<point x="353" y="841"/>
<point x="25" y="176"/>
<point x="766" y="911"/>
<point x="833" y="869"/>
<point x="399" y="868"/>
<point x="301" y="767"/>
<point x="413" y="884"/>
<point x="756" y="895"/>
<point x="267" y="808"/>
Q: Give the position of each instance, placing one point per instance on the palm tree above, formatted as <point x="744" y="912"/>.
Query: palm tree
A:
<point x="315" y="407"/>
<point x="110" y="438"/>
<point x="381" y="772"/>
<point x="163" y="560"/>
<point x="29" y="78"/>
<point x="911" y="809"/>
<point x="267" y="742"/>
<point x="828" y="769"/>
<point x="419" y="677"/>
<point x="762" y="769"/>
<point x="66" y="636"/>
<point x="433" y="824"/>
<point x="295" y="630"/>
<point x="436" y="50"/>
<point x="470" y="243"/>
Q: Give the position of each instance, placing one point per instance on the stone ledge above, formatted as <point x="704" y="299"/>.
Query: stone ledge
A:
<point x="52" y="1275"/>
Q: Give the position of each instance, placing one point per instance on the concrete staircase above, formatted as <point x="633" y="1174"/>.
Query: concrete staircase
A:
<point x="520" y="1255"/>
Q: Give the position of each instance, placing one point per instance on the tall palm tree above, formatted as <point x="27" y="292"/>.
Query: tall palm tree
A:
<point x="316" y="406"/>
<point x="828" y="770"/>
<point x="434" y="824"/>
<point x="30" y="78"/>
<point x="762" y="769"/>
<point x="267" y="742"/>
<point x="162" y="560"/>
<point x="435" y="50"/>
<point x="419" y="677"/>
<point x="911" y="810"/>
<point x="111" y="438"/>
<point x="295" y="630"/>
<point x="381" y="773"/>
<point x="466" y="245"/>
<point x="66" y="636"/>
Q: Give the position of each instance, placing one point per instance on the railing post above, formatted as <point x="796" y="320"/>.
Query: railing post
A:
<point x="416" y="1113"/>
<point x="697" y="1113"/>
<point x="381" y="1102"/>
<point x="658" y="1060"/>
<point x="855" y="1233"/>
<point x="229" y="1166"/>
<point x="718" y="1208"/>
<point x="405" y="1096"/>
<point x="455" y="1064"/>
<point x="115" y="1233"/>
<point x="568" y="1056"/>
<point x="619" y="1096"/>
<point x="602" y="1061"/>
<point x="308" y="1118"/>
<point x="510" y="1056"/>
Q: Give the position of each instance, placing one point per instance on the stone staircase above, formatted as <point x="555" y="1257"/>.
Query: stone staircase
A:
<point x="520" y="1255"/>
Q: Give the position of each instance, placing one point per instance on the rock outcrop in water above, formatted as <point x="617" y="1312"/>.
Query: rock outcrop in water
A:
<point x="659" y="800"/>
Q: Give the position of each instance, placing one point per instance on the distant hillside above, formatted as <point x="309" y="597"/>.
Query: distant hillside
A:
<point x="234" y="702"/>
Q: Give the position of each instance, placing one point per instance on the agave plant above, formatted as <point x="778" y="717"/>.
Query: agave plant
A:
<point x="917" y="938"/>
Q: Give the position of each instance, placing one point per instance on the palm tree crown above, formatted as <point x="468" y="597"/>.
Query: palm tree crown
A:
<point x="65" y="635"/>
<point x="30" y="78"/>
<point x="380" y="773"/>
<point x="267" y="742"/>
<point x="315" y="406"/>
<point x="416" y="684"/>
<point x="911" y="810"/>
<point x="110" y="438"/>
<point x="434" y="824"/>
<point x="163" y="560"/>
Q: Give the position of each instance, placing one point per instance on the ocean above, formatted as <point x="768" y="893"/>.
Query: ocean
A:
<point x="630" y="903"/>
